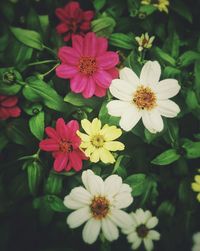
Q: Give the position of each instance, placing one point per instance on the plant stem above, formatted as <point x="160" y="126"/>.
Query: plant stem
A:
<point x="43" y="62"/>
<point x="46" y="73"/>
<point x="50" y="50"/>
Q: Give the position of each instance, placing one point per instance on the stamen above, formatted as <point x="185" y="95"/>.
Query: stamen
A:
<point x="142" y="231"/>
<point x="65" y="146"/>
<point x="97" y="141"/>
<point x="99" y="207"/>
<point x="144" y="98"/>
<point x="87" y="65"/>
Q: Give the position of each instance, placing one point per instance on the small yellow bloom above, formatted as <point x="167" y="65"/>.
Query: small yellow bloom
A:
<point x="161" y="5"/>
<point x="98" y="142"/>
<point x="144" y="42"/>
<point x="196" y="186"/>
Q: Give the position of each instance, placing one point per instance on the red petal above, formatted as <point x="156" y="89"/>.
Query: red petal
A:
<point x="88" y="15"/>
<point x="100" y="91"/>
<point x="108" y="60"/>
<point x="114" y="72"/>
<point x="78" y="83"/>
<point x="67" y="37"/>
<point x="89" y="89"/>
<point x="90" y="41"/>
<point x="60" y="162"/>
<point x="103" y="78"/>
<point x="62" y="28"/>
<point x="77" y="43"/>
<point x="66" y="71"/>
<point x="71" y="8"/>
<point x="4" y="113"/>
<point x="49" y="145"/>
<point x="9" y="101"/>
<point x="85" y="26"/>
<point x="102" y="45"/>
<point x="68" y="55"/>
<point x="62" y="129"/>
<point x="61" y="14"/>
<point x="14" y="111"/>
<point x="51" y="132"/>
<point x="76" y="161"/>
<point x="73" y="125"/>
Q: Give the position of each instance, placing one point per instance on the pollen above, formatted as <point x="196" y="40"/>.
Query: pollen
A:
<point x="144" y="98"/>
<point x="99" y="207"/>
<point x="87" y="65"/>
<point x="65" y="146"/>
<point x="97" y="141"/>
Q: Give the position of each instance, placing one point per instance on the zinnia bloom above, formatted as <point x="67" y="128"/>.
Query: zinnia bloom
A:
<point x="88" y="65"/>
<point x="73" y="20"/>
<point x="8" y="107"/>
<point x="141" y="229"/>
<point x="99" y="203"/>
<point x="98" y="142"/>
<point x="145" y="97"/>
<point x="196" y="186"/>
<point x="196" y="241"/>
<point x="144" y="42"/>
<point x="64" y="144"/>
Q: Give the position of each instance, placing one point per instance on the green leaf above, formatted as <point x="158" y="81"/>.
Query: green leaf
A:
<point x="192" y="149"/>
<point x="105" y="117"/>
<point x="54" y="184"/>
<point x="147" y="10"/>
<point x="182" y="9"/>
<point x="99" y="4"/>
<point x="56" y="204"/>
<point x="34" y="172"/>
<point x="137" y="183"/>
<point x="28" y="37"/>
<point x="191" y="100"/>
<point x="38" y="91"/>
<point x="166" y="158"/>
<point x="103" y="26"/>
<point x="121" y="40"/>
<point x="36" y="124"/>
<point x="165" y="209"/>
<point x="163" y="56"/>
<point x="171" y="72"/>
<point x="3" y="141"/>
<point x="188" y="58"/>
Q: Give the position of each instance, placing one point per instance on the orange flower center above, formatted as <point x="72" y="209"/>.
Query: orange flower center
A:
<point x="144" y="98"/>
<point x="142" y="231"/>
<point x="65" y="146"/>
<point x="99" y="207"/>
<point x="87" y="65"/>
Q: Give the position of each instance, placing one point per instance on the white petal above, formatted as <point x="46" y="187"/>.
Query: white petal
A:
<point x="130" y="118"/>
<point x="81" y="194"/>
<point x="166" y="88"/>
<point x="196" y="238"/>
<point x="85" y="176"/>
<point x="148" y="243"/>
<point x="121" y="218"/>
<point x="136" y="243"/>
<point x="109" y="230"/>
<point x="72" y="204"/>
<point x="129" y="75"/>
<point x="154" y="235"/>
<point x="132" y="237"/>
<point x="150" y="73"/>
<point x="93" y="183"/>
<point x="152" y="222"/>
<point x="117" y="107"/>
<point x="122" y="90"/>
<point x="125" y="188"/>
<point x="112" y="184"/>
<point x="123" y="200"/>
<point x="168" y="108"/>
<point x="140" y="216"/>
<point x="78" y="217"/>
<point x="91" y="231"/>
<point x="152" y="120"/>
<point x="196" y="248"/>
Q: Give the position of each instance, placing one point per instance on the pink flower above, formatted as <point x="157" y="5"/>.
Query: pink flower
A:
<point x="8" y="107"/>
<point x="73" y="20"/>
<point x="64" y="145"/>
<point x="88" y="65"/>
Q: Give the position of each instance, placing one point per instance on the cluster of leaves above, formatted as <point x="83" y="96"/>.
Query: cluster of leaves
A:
<point x="159" y="167"/>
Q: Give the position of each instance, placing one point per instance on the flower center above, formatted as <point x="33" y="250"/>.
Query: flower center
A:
<point x="98" y="141"/>
<point x="65" y="146"/>
<point x="144" y="98"/>
<point x="87" y="65"/>
<point x="99" y="207"/>
<point x="142" y="231"/>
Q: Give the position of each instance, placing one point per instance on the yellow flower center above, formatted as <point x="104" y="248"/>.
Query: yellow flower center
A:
<point x="99" y="207"/>
<point x="87" y="65"/>
<point x="144" y="98"/>
<point x="97" y="141"/>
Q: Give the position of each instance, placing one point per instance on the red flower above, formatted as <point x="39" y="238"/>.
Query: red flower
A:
<point x="64" y="144"/>
<point x="8" y="107"/>
<point x="88" y="65"/>
<point x="73" y="20"/>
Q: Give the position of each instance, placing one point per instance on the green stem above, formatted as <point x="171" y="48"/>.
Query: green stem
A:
<point x="43" y="62"/>
<point x="50" y="50"/>
<point x="46" y="73"/>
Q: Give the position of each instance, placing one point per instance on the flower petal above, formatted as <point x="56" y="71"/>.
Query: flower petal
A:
<point x="152" y="222"/>
<point x="60" y="162"/>
<point x="106" y="156"/>
<point x="148" y="243"/>
<point x="109" y="230"/>
<point x="117" y="107"/>
<point x="168" y="108"/>
<point x="102" y="78"/>
<point x="152" y="121"/>
<point x="91" y="231"/>
<point x="49" y="145"/>
<point x="150" y="73"/>
<point x="108" y="60"/>
<point x="101" y="45"/>
<point x="70" y="203"/>
<point x="88" y="15"/>
<point x="114" y="146"/>
<point x="129" y="75"/>
<point x="68" y="55"/>
<point x="78" y="83"/>
<point x="78" y="217"/>
<point x="167" y="88"/>
<point x="154" y="235"/>
<point x="93" y="183"/>
<point x="95" y="155"/>
<point x="66" y="71"/>
<point x="121" y="218"/>
<point x="77" y="43"/>
<point x="111" y="132"/>
<point x="51" y="132"/>
<point x="96" y="126"/>
<point x="89" y="89"/>
<point x="81" y="194"/>
<point x="122" y="90"/>
<point x="112" y="184"/>
<point x="89" y="47"/>
<point x="130" y="118"/>
<point x="87" y="126"/>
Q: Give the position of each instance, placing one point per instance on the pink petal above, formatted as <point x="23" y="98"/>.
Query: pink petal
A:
<point x="100" y="91"/>
<point x="14" y="111"/>
<point x="108" y="60"/>
<point x="2" y="97"/>
<point x="88" y="15"/>
<point x="9" y="101"/>
<point x="62" y="28"/>
<point x="73" y="125"/>
<point x="90" y="41"/>
<point x="68" y="166"/>
<point x="67" y="37"/>
<point x="66" y="71"/>
<point x="78" y="83"/>
<point x="102" y="78"/>
<point x="60" y="162"/>
<point x="4" y="113"/>
<point x="85" y="26"/>
<point x="49" y="145"/>
<point x="51" y="133"/>
<point x="114" y="72"/>
<point x="61" y="14"/>
<point x="61" y="129"/>
<point x="71" y="8"/>
<point x="101" y="46"/>
<point x="68" y="55"/>
<point x="77" y="43"/>
<point x="76" y="161"/>
<point x="89" y="88"/>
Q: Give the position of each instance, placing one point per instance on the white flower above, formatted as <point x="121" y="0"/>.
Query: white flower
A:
<point x="99" y="204"/>
<point x="144" y="42"/>
<point x="145" y="97"/>
<point x="141" y="229"/>
<point x="196" y="240"/>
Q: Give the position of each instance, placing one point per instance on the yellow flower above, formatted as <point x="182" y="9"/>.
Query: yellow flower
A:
<point x="144" y="42"/>
<point x="196" y="186"/>
<point x="161" y="5"/>
<point x="98" y="142"/>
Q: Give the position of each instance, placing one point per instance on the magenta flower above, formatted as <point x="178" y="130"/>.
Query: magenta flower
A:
<point x="88" y="65"/>
<point x="73" y="20"/>
<point x="8" y="107"/>
<point x="64" y="145"/>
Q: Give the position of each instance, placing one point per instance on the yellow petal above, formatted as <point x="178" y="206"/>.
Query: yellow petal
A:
<point x="96" y="126"/>
<point x="95" y="156"/>
<point x="196" y="187"/>
<point x="198" y="197"/>
<point x="85" y="144"/>
<point x="89" y="150"/>
<point x="106" y="156"/>
<point x="111" y="132"/>
<point x="84" y="137"/>
<point x="114" y="146"/>
<point x="87" y="126"/>
<point x="197" y="179"/>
